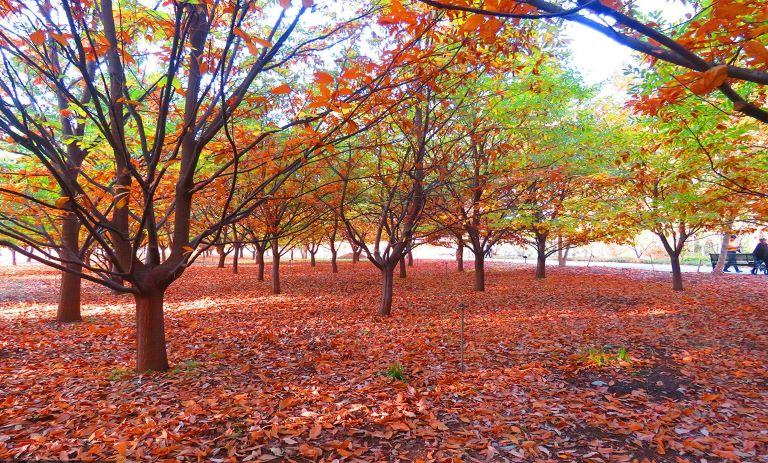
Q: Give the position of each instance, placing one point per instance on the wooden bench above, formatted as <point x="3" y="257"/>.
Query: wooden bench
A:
<point x="746" y="260"/>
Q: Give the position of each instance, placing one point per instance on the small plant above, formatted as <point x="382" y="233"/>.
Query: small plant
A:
<point x="396" y="372"/>
<point x="187" y="366"/>
<point x="119" y="374"/>
<point x="601" y="356"/>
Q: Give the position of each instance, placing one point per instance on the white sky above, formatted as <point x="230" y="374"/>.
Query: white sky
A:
<point x="600" y="59"/>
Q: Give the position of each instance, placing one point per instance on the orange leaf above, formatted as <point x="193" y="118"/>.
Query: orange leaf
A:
<point x="315" y="431"/>
<point x="323" y="77"/>
<point x="283" y="89"/>
<point x="710" y="80"/>
<point x="37" y="37"/>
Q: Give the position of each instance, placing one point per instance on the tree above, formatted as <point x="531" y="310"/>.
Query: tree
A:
<point x="182" y="96"/>
<point x="720" y="43"/>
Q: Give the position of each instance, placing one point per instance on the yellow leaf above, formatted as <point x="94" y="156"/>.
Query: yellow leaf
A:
<point x="61" y="202"/>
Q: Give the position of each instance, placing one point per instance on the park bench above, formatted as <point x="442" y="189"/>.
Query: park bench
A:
<point x="747" y="260"/>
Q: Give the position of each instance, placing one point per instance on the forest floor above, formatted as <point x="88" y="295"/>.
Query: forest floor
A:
<point x="590" y="364"/>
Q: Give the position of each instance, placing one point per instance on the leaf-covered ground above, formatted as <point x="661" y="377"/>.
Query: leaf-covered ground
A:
<point x="299" y="376"/>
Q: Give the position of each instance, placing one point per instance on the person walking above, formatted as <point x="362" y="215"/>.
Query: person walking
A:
<point x="760" y="254"/>
<point x="733" y="248"/>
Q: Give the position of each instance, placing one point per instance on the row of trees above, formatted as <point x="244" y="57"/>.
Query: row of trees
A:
<point x="139" y="138"/>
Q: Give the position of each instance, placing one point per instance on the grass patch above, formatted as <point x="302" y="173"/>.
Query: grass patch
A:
<point x="396" y="372"/>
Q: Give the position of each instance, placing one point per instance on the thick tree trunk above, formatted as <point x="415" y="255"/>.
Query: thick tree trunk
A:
<point x="334" y="265"/>
<point x="480" y="272"/>
<point x="410" y="258"/>
<point x="387" y="282"/>
<point x="562" y="254"/>
<point x="260" y="261"/>
<point x="541" y="256"/>
<point x="356" y="255"/>
<point x="403" y="272"/>
<point x="312" y="261"/>
<point x="69" y="295"/>
<point x="150" y="333"/>
<point x="677" y="273"/>
<point x="236" y="258"/>
<point x="723" y="257"/>
<point x="460" y="258"/>
<point x="541" y="266"/>
<point x="242" y="251"/>
<point x="222" y="257"/>
<point x="275" y="268"/>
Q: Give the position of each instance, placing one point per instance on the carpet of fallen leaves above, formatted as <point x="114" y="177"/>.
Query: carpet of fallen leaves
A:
<point x="299" y="376"/>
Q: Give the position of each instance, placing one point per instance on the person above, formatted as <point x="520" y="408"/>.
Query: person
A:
<point x="760" y="254"/>
<point x="733" y="248"/>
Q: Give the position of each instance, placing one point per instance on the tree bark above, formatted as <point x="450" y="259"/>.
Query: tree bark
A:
<point x="387" y="282"/>
<point x="334" y="265"/>
<point x="460" y="257"/>
<point x="480" y="272"/>
<point x="222" y="256"/>
<point x="723" y="257"/>
<point x="541" y="256"/>
<point x="150" y="332"/>
<point x="312" y="262"/>
<point x="677" y="273"/>
<point x="236" y="258"/>
<point x="410" y="258"/>
<point x="275" y="267"/>
<point x="69" y="295"/>
<point x="260" y="261"/>
<point x="356" y="255"/>
<point x="13" y="257"/>
<point x="403" y="272"/>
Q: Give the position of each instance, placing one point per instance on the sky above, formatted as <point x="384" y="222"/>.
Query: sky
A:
<point x="600" y="59"/>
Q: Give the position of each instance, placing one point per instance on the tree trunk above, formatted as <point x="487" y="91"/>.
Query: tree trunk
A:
<point x="410" y="258"/>
<point x="253" y="253"/>
<point x="222" y="256"/>
<point x="275" y="267"/>
<point x="562" y="254"/>
<point x="162" y="253"/>
<point x="69" y="295"/>
<point x="460" y="257"/>
<point x="260" y="261"/>
<point x="403" y="272"/>
<point x="13" y="257"/>
<point x="242" y="251"/>
<point x="334" y="265"/>
<point x="480" y="272"/>
<point x="31" y="251"/>
<point x="150" y="333"/>
<point x="677" y="273"/>
<point x="236" y="258"/>
<point x="541" y="266"/>
<point x="312" y="262"/>
<point x="387" y="281"/>
<point x="541" y="256"/>
<point x="723" y="258"/>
